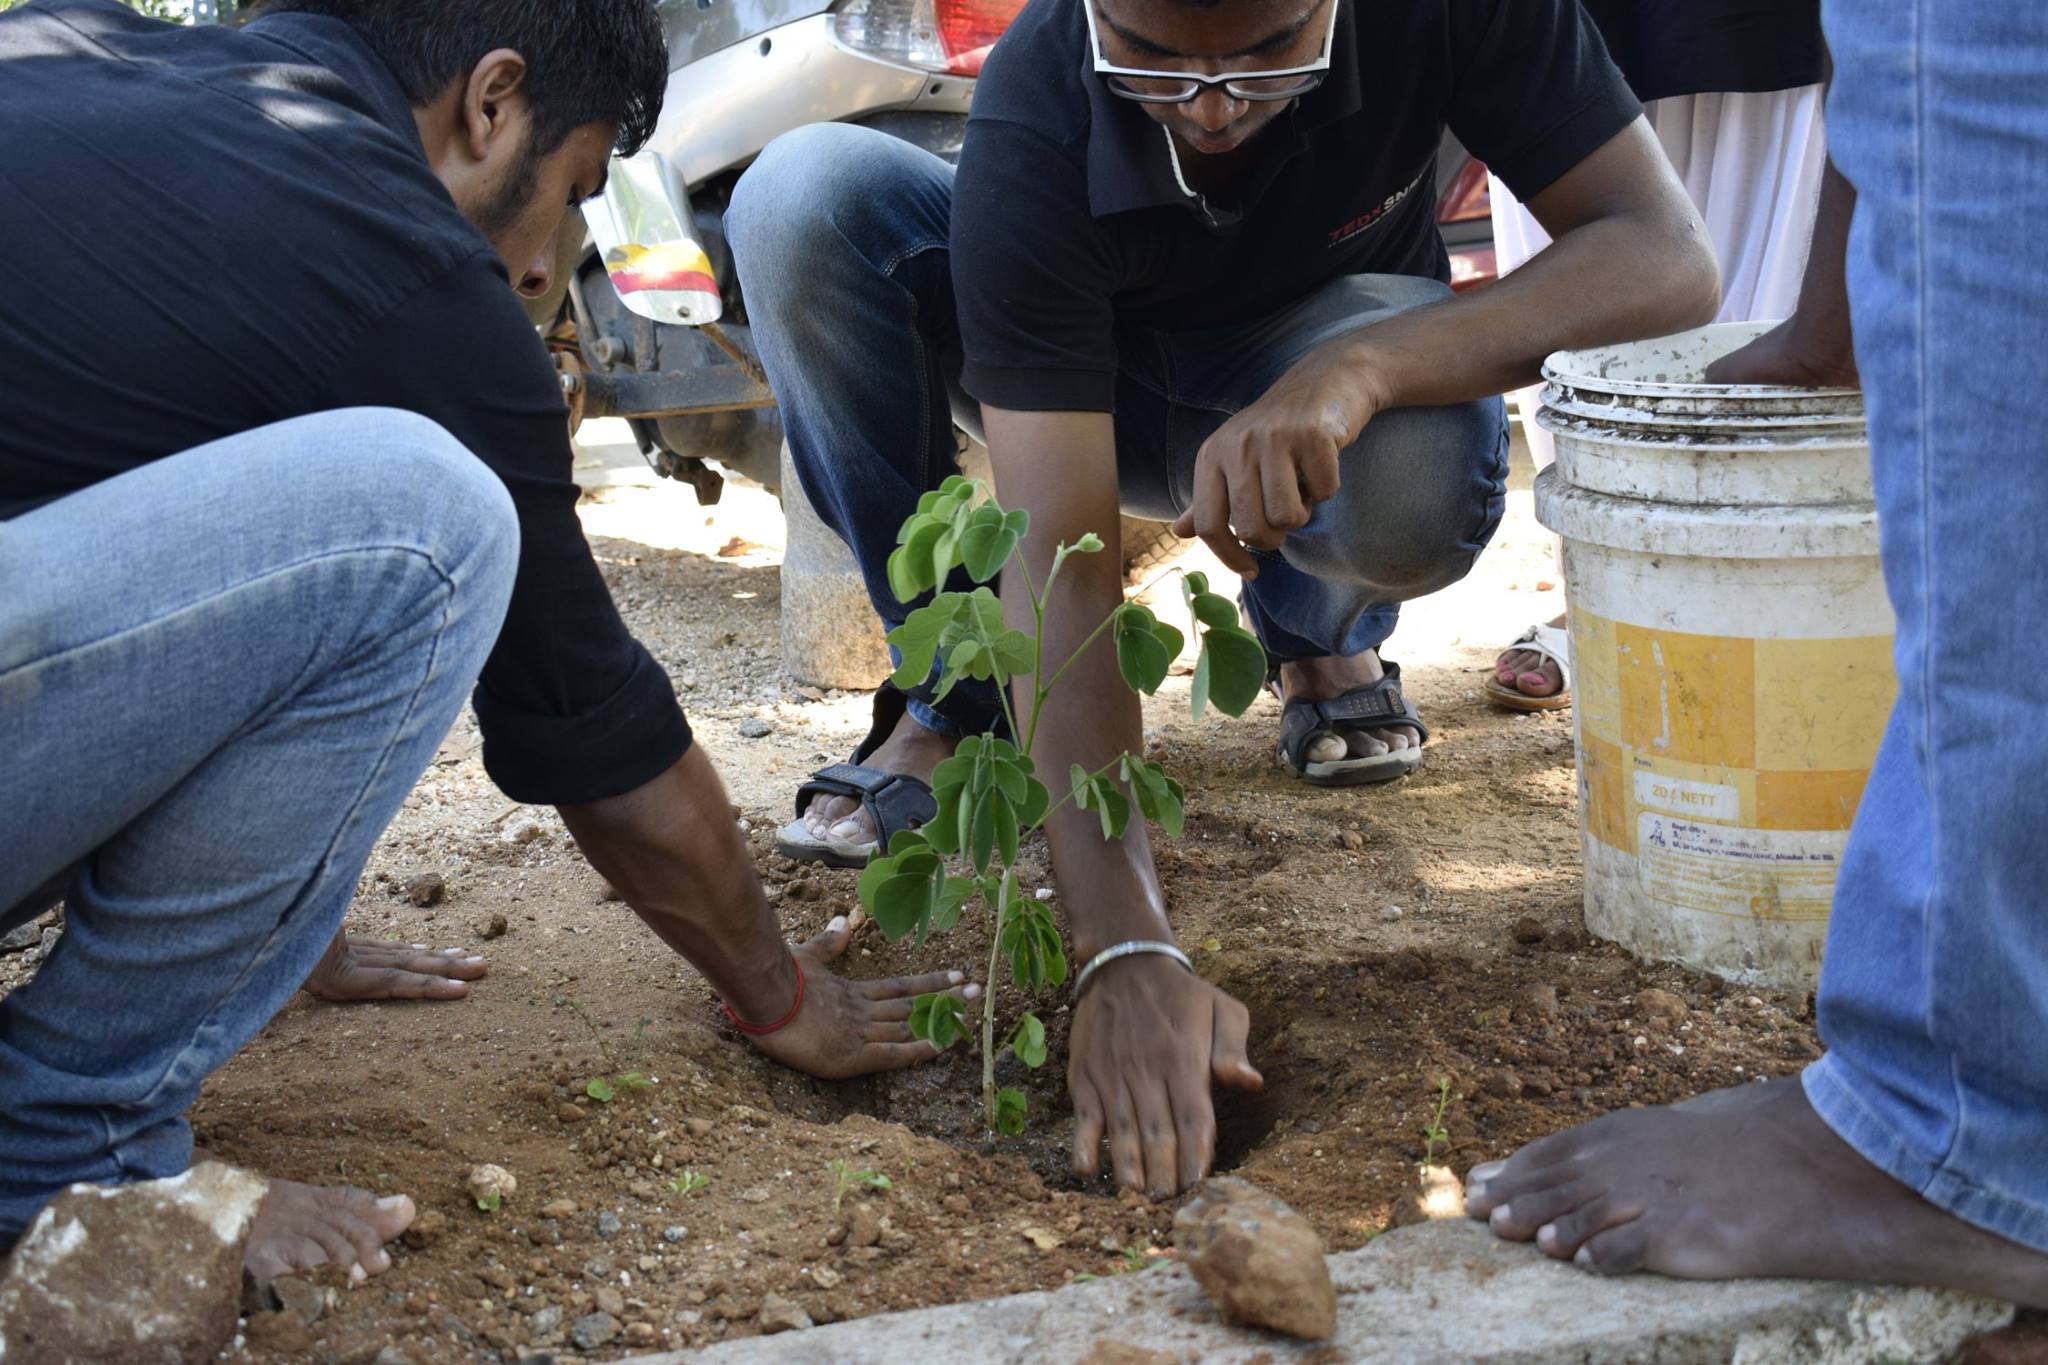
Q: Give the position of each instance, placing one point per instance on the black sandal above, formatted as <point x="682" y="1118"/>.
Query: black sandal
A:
<point x="1372" y="707"/>
<point x="893" y="801"/>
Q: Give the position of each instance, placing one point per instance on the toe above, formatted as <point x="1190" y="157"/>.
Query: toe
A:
<point x="1519" y="1218"/>
<point x="1617" y="1251"/>
<point x="1564" y="1235"/>
<point x="1325" y="749"/>
<point x="1364" y="743"/>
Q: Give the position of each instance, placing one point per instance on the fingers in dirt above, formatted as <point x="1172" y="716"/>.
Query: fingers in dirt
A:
<point x="1088" y="1125"/>
<point x="1159" y="1135"/>
<point x="893" y="987"/>
<point x="1194" y="1117"/>
<point x="1126" y="1151"/>
<point x="1229" y="1028"/>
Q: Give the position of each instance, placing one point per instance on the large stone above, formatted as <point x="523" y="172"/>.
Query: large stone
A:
<point x="831" y="636"/>
<point x="1444" y="1291"/>
<point x="1258" y="1260"/>
<point x="132" y="1273"/>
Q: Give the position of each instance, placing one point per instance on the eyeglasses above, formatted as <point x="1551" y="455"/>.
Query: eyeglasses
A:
<point x="1179" y="87"/>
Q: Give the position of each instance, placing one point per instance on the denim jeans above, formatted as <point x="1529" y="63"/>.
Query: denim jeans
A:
<point x="840" y="236"/>
<point x="1934" y="992"/>
<point x="220" y="674"/>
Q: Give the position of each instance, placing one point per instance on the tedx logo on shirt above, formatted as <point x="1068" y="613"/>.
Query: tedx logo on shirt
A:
<point x="1365" y="221"/>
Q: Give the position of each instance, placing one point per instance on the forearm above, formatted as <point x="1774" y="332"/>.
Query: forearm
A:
<point x="672" y="849"/>
<point x="1091" y="716"/>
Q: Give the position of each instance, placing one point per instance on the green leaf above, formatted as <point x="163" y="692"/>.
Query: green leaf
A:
<point x="1031" y="941"/>
<point x="1015" y="654"/>
<point x="981" y="838"/>
<point x="910" y="575"/>
<point x="989" y="540"/>
<point x="1028" y="1042"/>
<point x="939" y="1019"/>
<point x="632" y="1080"/>
<point x="920" y="636"/>
<point x="1229" y="672"/>
<point x="489" y="1202"/>
<point x="600" y="1090"/>
<point x="1006" y="827"/>
<point x="1088" y="544"/>
<point x="902" y="888"/>
<point x="1097" y="793"/>
<point x="1145" y="647"/>
<point x="1214" y="611"/>
<point x="1161" y="798"/>
<point x="1009" y="1115"/>
<point x="1037" y="800"/>
<point x="953" y="896"/>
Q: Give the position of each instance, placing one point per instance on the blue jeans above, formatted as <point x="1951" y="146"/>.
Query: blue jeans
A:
<point x="1934" y="993"/>
<point x="220" y="674"/>
<point x="840" y="235"/>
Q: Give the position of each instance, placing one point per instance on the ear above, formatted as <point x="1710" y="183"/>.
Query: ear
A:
<point x="493" y="101"/>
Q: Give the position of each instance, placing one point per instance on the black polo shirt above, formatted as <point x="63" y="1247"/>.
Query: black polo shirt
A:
<point x="1693" y="47"/>
<point x="208" y="230"/>
<point x="1069" y="219"/>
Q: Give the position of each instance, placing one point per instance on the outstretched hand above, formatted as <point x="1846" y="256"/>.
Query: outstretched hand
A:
<point x="1149" y="1037"/>
<point x="355" y="968"/>
<point x="851" y="1028"/>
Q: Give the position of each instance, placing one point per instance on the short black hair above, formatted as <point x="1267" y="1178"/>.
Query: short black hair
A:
<point x="587" y="61"/>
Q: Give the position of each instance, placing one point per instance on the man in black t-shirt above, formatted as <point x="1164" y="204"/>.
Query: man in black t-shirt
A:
<point x="266" y="497"/>
<point x="1188" y="265"/>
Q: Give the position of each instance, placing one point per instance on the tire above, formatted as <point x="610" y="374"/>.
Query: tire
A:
<point x="1149" y="548"/>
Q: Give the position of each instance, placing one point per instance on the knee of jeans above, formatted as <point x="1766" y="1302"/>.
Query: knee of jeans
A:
<point x="808" y="196"/>
<point x="406" y="468"/>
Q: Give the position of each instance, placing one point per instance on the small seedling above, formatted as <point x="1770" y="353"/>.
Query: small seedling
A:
<point x="1436" y="1135"/>
<point x="689" y="1182"/>
<point x="605" y="1089"/>
<point x="850" y="1179"/>
<point x="1137" y="1259"/>
<point x="489" y="1202"/>
<point x="989" y="794"/>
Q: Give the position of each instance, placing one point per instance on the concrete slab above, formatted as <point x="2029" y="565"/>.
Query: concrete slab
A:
<point x="1441" y="1291"/>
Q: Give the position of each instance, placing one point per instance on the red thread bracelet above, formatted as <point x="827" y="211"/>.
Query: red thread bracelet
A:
<point x="762" y="1030"/>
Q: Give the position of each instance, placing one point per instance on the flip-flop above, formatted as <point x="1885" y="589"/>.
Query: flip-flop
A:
<point x="893" y="801"/>
<point x="1374" y="706"/>
<point x="1549" y="642"/>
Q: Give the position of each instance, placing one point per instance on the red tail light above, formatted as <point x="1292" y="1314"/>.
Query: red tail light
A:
<point x="948" y="36"/>
<point x="1467" y="197"/>
<point x="969" y="28"/>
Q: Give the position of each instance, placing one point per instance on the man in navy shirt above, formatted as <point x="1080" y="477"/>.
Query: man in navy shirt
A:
<point x="1188" y="266"/>
<point x="284" y="468"/>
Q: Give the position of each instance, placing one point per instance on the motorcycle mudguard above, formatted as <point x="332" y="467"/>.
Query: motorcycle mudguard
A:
<point x="642" y="228"/>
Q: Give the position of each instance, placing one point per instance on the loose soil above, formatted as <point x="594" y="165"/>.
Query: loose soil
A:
<point x="1383" y="939"/>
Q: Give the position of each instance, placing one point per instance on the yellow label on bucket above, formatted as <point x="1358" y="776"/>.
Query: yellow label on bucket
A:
<point x="1728" y="767"/>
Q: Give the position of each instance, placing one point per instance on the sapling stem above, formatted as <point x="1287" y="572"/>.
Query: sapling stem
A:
<point x="988" y="1005"/>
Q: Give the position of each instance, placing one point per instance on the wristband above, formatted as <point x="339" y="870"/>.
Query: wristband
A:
<point x="762" y="1030"/>
<point x="1134" y="948"/>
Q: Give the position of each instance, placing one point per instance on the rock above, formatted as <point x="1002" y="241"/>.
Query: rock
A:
<point x="1108" y="1351"/>
<point x="523" y="830"/>
<point x="781" y="1315"/>
<point x="594" y="1330"/>
<point x="392" y="1355"/>
<point x="674" y="1232"/>
<point x="545" y="1322"/>
<point x="830" y="635"/>
<point x="609" y="1300"/>
<point x="698" y="1127"/>
<point x="25" y="937"/>
<point x="1660" y="1007"/>
<point x="427" y="889"/>
<point x="143" y="1273"/>
<point x="607" y="1223"/>
<point x="426" y="1229"/>
<point x="280" y="1332"/>
<point x="825" y="1277"/>
<point x="302" y="1299"/>
<point x="560" y="1208"/>
<point x="959" y="1205"/>
<point x="1503" y="1084"/>
<point x="1258" y="1260"/>
<point x="863" y="1226"/>
<point x="1350" y="839"/>
<point x="571" y="1113"/>
<point x="495" y="927"/>
<point x="1045" y="1239"/>
<point x="756" y="727"/>
<point x="641" y="1333"/>
<point x="1390" y="913"/>
<point x="1528" y="929"/>
<point x="1542" y="1001"/>
<point x="499" y="1278"/>
<point x="487" y="1181"/>
<point x="1438" y="1194"/>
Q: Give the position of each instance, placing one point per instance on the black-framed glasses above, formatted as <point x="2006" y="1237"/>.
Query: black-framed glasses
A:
<point x="1179" y="87"/>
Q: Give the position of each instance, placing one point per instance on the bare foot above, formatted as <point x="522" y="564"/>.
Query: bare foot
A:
<point x="1530" y="673"/>
<point x="299" y="1227"/>
<point x="912" y="751"/>
<point x="1322" y="679"/>
<point x="375" y="969"/>
<point x="851" y="1028"/>
<point x="1740" y="1182"/>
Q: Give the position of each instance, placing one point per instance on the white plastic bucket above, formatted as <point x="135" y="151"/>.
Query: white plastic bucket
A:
<point x="1731" y="643"/>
